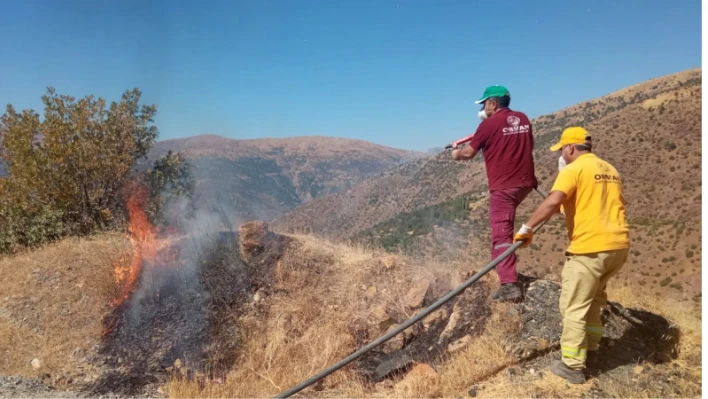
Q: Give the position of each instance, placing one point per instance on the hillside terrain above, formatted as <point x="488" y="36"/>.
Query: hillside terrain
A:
<point x="266" y="311"/>
<point x="437" y="207"/>
<point x="263" y="178"/>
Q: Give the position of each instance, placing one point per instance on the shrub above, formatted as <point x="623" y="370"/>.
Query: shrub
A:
<point x="67" y="173"/>
<point x="170" y="178"/>
<point x="665" y="282"/>
<point x="689" y="253"/>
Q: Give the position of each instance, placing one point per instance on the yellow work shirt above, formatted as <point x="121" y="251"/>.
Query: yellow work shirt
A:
<point x="594" y="206"/>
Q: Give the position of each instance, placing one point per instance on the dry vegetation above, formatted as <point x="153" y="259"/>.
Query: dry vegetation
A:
<point x="332" y="288"/>
<point x="52" y="300"/>
<point x="324" y="293"/>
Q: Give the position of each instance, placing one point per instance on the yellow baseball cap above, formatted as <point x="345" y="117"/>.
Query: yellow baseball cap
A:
<point x="572" y="135"/>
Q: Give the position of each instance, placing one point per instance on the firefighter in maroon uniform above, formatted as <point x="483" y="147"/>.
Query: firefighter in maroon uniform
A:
<point x="505" y="138"/>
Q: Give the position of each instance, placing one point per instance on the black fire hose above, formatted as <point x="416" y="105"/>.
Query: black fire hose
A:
<point x="420" y="315"/>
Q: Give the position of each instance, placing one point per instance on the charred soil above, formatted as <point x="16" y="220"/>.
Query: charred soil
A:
<point x="181" y="320"/>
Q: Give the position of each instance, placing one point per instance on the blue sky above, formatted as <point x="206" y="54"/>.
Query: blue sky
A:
<point x="398" y="73"/>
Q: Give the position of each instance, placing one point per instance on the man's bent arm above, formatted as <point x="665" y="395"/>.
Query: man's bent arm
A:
<point x="465" y="154"/>
<point x="548" y="208"/>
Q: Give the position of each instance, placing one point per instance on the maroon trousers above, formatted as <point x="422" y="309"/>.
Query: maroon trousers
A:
<point x="502" y="211"/>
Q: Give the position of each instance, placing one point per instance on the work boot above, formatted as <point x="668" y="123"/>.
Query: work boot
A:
<point x="561" y="370"/>
<point x="507" y="292"/>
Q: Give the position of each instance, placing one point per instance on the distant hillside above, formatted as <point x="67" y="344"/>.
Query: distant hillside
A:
<point x="649" y="131"/>
<point x="263" y="178"/>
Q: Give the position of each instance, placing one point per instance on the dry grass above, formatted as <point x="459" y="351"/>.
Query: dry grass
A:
<point x="52" y="301"/>
<point x="329" y="291"/>
<point x="332" y="290"/>
<point x="329" y="297"/>
<point x="307" y="330"/>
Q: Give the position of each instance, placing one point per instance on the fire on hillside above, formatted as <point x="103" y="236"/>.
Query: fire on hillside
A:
<point x="177" y="302"/>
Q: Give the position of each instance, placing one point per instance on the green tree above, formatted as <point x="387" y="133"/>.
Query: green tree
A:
<point x="171" y="178"/>
<point x="65" y="171"/>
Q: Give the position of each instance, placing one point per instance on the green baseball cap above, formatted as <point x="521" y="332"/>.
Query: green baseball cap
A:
<point x="493" y="91"/>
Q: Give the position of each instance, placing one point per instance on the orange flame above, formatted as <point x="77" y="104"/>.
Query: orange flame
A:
<point x="142" y="238"/>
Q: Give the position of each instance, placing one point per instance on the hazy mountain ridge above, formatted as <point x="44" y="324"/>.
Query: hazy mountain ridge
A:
<point x="263" y="178"/>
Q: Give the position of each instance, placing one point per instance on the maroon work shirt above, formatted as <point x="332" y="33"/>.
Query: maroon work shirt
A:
<point x="506" y="141"/>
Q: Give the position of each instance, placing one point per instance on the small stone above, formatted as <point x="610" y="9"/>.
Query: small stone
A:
<point x="178" y="364"/>
<point x="419" y="371"/>
<point x="389" y="261"/>
<point x="415" y="296"/>
<point x="380" y="317"/>
<point x="532" y="371"/>
<point x="257" y="297"/>
<point x="36" y="364"/>
<point x="451" y="323"/>
<point x="395" y="343"/>
<point x="472" y="392"/>
<point x="160" y="391"/>
<point x="371" y="291"/>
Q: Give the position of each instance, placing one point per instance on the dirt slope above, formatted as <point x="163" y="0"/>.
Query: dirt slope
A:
<point x="263" y="178"/>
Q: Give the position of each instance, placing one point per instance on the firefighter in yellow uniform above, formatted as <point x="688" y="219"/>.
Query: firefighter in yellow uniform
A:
<point x="590" y="191"/>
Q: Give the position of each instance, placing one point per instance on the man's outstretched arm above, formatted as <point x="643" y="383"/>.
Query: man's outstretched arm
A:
<point x="549" y="207"/>
<point x="545" y="211"/>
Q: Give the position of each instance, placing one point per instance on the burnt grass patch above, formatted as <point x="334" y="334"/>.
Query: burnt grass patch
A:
<point x="181" y="319"/>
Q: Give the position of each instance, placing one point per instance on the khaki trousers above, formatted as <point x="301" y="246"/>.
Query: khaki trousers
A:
<point x="583" y="296"/>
